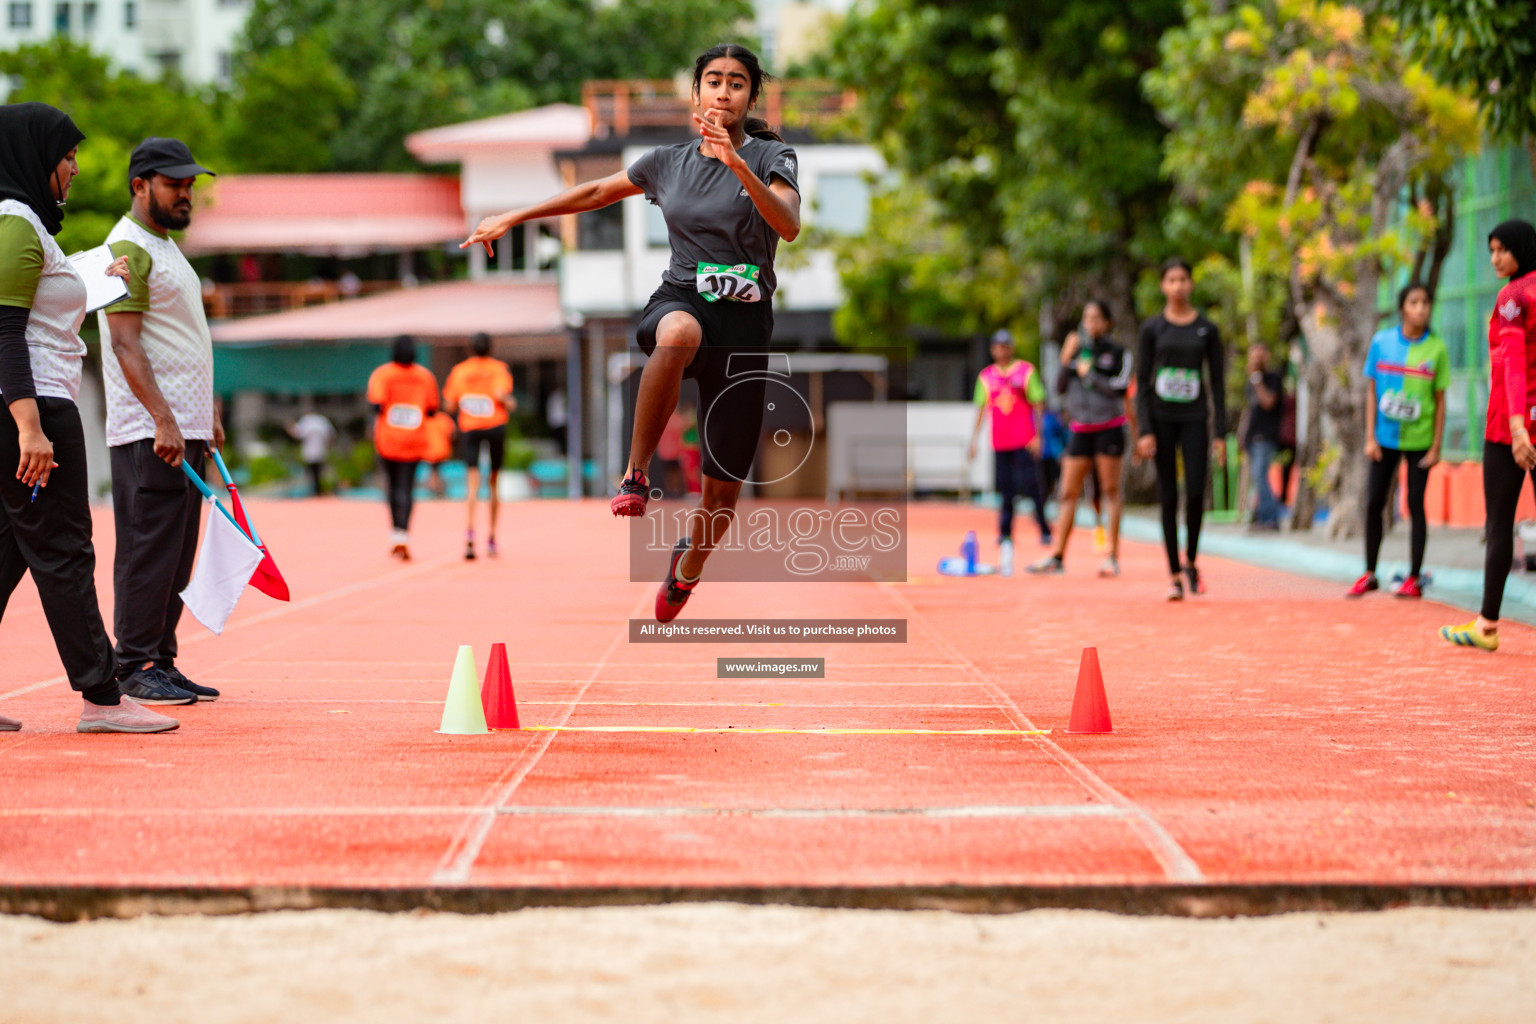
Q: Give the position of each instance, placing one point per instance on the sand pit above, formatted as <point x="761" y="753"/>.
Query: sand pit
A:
<point x="722" y="962"/>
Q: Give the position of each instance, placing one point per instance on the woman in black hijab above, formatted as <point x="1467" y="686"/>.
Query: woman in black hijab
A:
<point x="45" y="515"/>
<point x="1507" y="451"/>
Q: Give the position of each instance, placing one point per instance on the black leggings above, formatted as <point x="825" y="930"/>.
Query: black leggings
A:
<point x="1015" y="473"/>
<point x="1378" y="484"/>
<point x="1502" y="480"/>
<point x="1195" y="439"/>
<point x="400" y="481"/>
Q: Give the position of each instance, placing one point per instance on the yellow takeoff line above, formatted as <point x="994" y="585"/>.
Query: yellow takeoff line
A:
<point x="787" y="732"/>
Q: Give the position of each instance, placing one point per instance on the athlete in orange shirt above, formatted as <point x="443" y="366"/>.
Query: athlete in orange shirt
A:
<point x="440" y="431"/>
<point x="479" y="390"/>
<point x="403" y="395"/>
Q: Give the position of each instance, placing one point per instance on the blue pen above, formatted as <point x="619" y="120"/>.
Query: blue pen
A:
<point x="34" y="490"/>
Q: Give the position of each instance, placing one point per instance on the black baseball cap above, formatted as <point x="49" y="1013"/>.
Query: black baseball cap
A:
<point x="169" y="157"/>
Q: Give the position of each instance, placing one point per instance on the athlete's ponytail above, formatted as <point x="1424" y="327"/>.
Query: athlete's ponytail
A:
<point x="760" y="129"/>
<point x="754" y="126"/>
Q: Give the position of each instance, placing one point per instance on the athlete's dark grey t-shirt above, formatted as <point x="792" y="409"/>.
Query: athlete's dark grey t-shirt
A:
<point x="710" y="218"/>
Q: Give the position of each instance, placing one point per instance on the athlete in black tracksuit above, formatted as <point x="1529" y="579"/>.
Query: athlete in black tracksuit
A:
<point x="1179" y="362"/>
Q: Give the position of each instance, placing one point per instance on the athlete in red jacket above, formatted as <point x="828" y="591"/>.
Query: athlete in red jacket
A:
<point x="1507" y="452"/>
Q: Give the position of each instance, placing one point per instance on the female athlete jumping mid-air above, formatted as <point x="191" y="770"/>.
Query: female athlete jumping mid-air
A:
<point x="728" y="198"/>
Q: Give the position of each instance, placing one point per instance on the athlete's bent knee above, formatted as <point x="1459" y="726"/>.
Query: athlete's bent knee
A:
<point x="679" y="331"/>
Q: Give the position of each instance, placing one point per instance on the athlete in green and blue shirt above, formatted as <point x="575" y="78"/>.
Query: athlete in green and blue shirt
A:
<point x="1406" y="370"/>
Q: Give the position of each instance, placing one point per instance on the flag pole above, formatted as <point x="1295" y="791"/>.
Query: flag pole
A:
<point x="218" y="460"/>
<point x="202" y="485"/>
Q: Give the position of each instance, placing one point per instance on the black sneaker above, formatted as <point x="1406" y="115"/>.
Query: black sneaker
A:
<point x="1196" y="584"/>
<point x="152" y="686"/>
<point x="182" y="682"/>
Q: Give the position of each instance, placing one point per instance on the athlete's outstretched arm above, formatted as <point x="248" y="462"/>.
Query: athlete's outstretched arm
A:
<point x="591" y="195"/>
<point x="779" y="203"/>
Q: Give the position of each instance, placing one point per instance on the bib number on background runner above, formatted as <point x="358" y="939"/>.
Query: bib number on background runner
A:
<point x="403" y="417"/>
<point x="1399" y="408"/>
<point x="738" y="283"/>
<point x="1177" y="385"/>
<point x="482" y="406"/>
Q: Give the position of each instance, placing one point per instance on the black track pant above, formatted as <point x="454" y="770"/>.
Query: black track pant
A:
<point x="399" y="484"/>
<point x="1015" y="472"/>
<point x="1502" y="480"/>
<point x="1378" y="486"/>
<point x="1194" y="438"/>
<point x="158" y="513"/>
<point x="52" y="537"/>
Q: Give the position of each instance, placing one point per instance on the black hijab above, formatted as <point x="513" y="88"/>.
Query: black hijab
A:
<point x="405" y="350"/>
<point x="1519" y="237"/>
<point x="33" y="139"/>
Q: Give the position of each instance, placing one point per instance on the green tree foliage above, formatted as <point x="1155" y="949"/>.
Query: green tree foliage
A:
<point x="298" y="94"/>
<point x="416" y="64"/>
<point x="1335" y="125"/>
<point x="115" y="110"/>
<point x="1027" y="124"/>
<point x="1487" y="45"/>
<point x="915" y="274"/>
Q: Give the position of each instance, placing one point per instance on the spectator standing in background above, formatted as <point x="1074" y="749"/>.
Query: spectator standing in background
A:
<point x="315" y="435"/>
<point x="1265" y="391"/>
<point x="1010" y="389"/>
<point x="440" y="432"/>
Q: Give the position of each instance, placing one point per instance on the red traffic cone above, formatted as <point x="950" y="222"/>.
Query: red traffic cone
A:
<point x="1090" y="709"/>
<point x="496" y="695"/>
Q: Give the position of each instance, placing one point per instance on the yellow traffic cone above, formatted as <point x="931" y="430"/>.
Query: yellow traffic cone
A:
<point x="463" y="714"/>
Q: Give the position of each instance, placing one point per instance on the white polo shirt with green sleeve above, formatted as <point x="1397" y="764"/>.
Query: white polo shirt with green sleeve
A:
<point x="163" y="286"/>
<point x="34" y="275"/>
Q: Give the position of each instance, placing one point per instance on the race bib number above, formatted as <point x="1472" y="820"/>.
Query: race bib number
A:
<point x="1399" y="408"/>
<point x="735" y="284"/>
<point x="403" y="417"/>
<point x="1177" y="385"/>
<point x="478" y="405"/>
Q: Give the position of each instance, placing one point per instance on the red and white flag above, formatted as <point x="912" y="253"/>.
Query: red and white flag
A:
<point x="225" y="561"/>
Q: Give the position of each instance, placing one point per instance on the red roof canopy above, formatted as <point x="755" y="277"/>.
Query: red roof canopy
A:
<point x="453" y="310"/>
<point x="325" y="214"/>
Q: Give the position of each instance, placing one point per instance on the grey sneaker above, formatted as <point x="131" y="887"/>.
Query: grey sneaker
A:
<point x="8" y="724"/>
<point x="129" y="716"/>
<point x="183" y="683"/>
<point x="151" y="686"/>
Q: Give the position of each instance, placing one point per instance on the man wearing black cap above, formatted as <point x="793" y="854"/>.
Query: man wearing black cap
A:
<point x="157" y="364"/>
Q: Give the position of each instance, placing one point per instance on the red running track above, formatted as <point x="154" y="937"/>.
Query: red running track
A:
<point x="1269" y="732"/>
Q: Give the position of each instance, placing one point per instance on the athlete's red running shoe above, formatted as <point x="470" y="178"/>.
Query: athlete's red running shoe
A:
<point x="1409" y="588"/>
<point x="673" y="594"/>
<point x="634" y="492"/>
<point x="1364" y="585"/>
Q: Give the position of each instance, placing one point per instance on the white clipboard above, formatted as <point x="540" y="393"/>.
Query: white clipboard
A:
<point x="100" y="290"/>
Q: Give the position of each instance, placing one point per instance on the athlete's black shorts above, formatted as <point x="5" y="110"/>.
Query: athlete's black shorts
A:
<point x="494" y="438"/>
<point x="1085" y="444"/>
<point x="728" y="368"/>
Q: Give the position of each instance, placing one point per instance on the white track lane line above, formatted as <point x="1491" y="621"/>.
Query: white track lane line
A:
<point x="459" y="859"/>
<point x="989" y="811"/>
<point x="1177" y="864"/>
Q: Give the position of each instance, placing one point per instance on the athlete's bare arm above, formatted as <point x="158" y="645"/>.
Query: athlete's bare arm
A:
<point x="592" y="195"/>
<point x="779" y="203"/>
